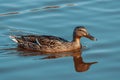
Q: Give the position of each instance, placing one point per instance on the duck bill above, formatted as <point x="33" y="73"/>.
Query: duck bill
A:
<point x="92" y="63"/>
<point x="91" y="37"/>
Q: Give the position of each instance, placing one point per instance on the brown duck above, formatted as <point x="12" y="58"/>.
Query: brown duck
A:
<point x="52" y="44"/>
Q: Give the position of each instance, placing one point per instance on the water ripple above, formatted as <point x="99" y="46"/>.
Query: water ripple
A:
<point x="59" y="18"/>
<point x="38" y="9"/>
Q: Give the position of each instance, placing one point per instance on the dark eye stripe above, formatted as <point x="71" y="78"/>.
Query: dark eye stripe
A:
<point x="82" y="31"/>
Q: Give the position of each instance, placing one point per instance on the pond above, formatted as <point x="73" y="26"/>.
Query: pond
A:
<point x="59" y="17"/>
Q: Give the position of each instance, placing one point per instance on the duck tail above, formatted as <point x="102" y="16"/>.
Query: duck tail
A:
<point x="13" y="38"/>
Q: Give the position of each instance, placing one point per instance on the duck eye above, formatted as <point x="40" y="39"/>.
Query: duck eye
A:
<point x="79" y="30"/>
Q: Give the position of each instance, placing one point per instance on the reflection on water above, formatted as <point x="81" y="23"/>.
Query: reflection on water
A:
<point x="9" y="13"/>
<point x="79" y="64"/>
<point x="38" y="9"/>
<point x="48" y="7"/>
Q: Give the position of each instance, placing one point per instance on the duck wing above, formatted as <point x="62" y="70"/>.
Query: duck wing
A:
<point x="41" y="40"/>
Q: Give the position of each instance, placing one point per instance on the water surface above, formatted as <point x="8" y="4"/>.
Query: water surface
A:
<point x="59" y="18"/>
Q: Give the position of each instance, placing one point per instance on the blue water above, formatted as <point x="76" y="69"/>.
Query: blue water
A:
<point x="59" y="18"/>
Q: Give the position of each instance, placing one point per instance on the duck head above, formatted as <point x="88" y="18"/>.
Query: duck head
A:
<point x="81" y="31"/>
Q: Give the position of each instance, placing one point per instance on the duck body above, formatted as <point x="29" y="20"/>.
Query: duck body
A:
<point x="51" y="44"/>
<point x="45" y="43"/>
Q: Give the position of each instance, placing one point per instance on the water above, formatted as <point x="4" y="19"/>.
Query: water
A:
<point x="59" y="18"/>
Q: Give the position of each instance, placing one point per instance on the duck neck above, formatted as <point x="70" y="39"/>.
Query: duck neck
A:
<point x="76" y="40"/>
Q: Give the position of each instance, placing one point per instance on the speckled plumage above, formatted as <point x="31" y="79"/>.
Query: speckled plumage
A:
<point x="51" y="44"/>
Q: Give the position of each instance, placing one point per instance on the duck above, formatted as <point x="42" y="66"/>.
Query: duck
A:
<point x="52" y="44"/>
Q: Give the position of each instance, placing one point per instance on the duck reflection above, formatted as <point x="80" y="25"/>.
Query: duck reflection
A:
<point x="79" y="64"/>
